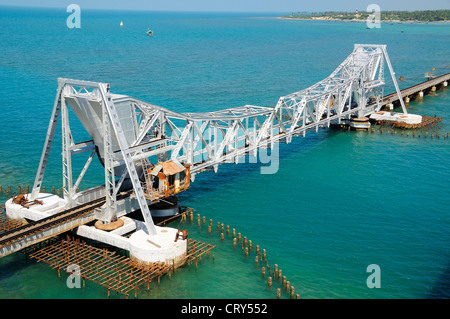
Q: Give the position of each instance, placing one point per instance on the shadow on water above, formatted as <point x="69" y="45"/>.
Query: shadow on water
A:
<point x="441" y="289"/>
<point x="13" y="264"/>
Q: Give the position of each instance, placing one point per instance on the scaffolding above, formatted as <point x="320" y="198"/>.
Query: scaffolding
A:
<point x="107" y="268"/>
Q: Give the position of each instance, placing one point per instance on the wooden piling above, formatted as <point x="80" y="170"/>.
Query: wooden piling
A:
<point x="278" y="293"/>
<point x="263" y="271"/>
<point x="269" y="281"/>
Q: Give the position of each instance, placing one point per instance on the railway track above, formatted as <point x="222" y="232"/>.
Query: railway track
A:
<point x="415" y="89"/>
<point x="37" y="226"/>
<point x="21" y="233"/>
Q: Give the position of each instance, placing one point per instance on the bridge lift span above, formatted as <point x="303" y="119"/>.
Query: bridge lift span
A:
<point x="156" y="152"/>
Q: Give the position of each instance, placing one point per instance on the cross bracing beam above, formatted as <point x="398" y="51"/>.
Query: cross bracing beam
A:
<point x="127" y="131"/>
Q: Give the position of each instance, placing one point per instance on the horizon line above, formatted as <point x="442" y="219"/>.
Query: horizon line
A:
<point x="199" y="10"/>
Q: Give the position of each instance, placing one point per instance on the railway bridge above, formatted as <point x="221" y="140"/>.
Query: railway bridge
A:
<point x="150" y="153"/>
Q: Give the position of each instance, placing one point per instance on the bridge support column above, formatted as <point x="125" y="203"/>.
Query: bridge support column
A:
<point x="433" y="89"/>
<point x="390" y="106"/>
<point x="444" y="85"/>
<point x="407" y="100"/>
<point x="420" y="96"/>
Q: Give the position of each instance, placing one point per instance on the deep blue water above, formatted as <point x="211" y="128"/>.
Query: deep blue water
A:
<point x="339" y="201"/>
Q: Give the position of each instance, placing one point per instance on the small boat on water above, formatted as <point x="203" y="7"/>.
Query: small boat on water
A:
<point x="121" y="23"/>
<point x="150" y="33"/>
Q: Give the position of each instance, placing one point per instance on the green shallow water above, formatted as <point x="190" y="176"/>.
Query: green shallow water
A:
<point x="338" y="202"/>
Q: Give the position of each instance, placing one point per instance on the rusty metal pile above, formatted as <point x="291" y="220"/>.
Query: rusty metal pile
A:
<point x="427" y="122"/>
<point x="7" y="224"/>
<point x="103" y="267"/>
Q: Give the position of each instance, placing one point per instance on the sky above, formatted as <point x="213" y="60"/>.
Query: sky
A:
<point x="287" y="6"/>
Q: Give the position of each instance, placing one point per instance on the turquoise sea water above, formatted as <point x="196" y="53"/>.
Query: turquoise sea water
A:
<point x="339" y="201"/>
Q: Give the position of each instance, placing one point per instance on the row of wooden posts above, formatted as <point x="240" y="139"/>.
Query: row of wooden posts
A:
<point x="419" y="134"/>
<point x="260" y="255"/>
<point x="7" y="190"/>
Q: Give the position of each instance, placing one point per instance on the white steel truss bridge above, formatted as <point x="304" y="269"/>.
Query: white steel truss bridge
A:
<point x="136" y="141"/>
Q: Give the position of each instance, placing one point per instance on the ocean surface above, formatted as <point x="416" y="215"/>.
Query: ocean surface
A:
<point x="339" y="202"/>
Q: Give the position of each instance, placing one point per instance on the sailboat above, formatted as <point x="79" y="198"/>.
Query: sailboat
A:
<point x="121" y="23"/>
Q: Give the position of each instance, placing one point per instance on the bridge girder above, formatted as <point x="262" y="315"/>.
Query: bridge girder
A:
<point x="127" y="131"/>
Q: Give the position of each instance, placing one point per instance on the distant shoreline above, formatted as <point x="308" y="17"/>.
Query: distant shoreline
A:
<point x="361" y="20"/>
<point x="419" y="16"/>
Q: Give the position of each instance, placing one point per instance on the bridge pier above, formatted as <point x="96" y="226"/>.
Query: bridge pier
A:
<point x="407" y="100"/>
<point x="420" y="96"/>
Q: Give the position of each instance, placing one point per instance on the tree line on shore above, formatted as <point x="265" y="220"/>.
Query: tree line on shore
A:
<point x="423" y="16"/>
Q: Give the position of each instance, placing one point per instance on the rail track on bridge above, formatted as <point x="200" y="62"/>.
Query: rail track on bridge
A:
<point x="35" y="227"/>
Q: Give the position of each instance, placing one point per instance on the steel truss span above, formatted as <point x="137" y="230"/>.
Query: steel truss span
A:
<point x="131" y="136"/>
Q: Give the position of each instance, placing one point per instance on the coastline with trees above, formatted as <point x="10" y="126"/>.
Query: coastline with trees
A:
<point x="385" y="16"/>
